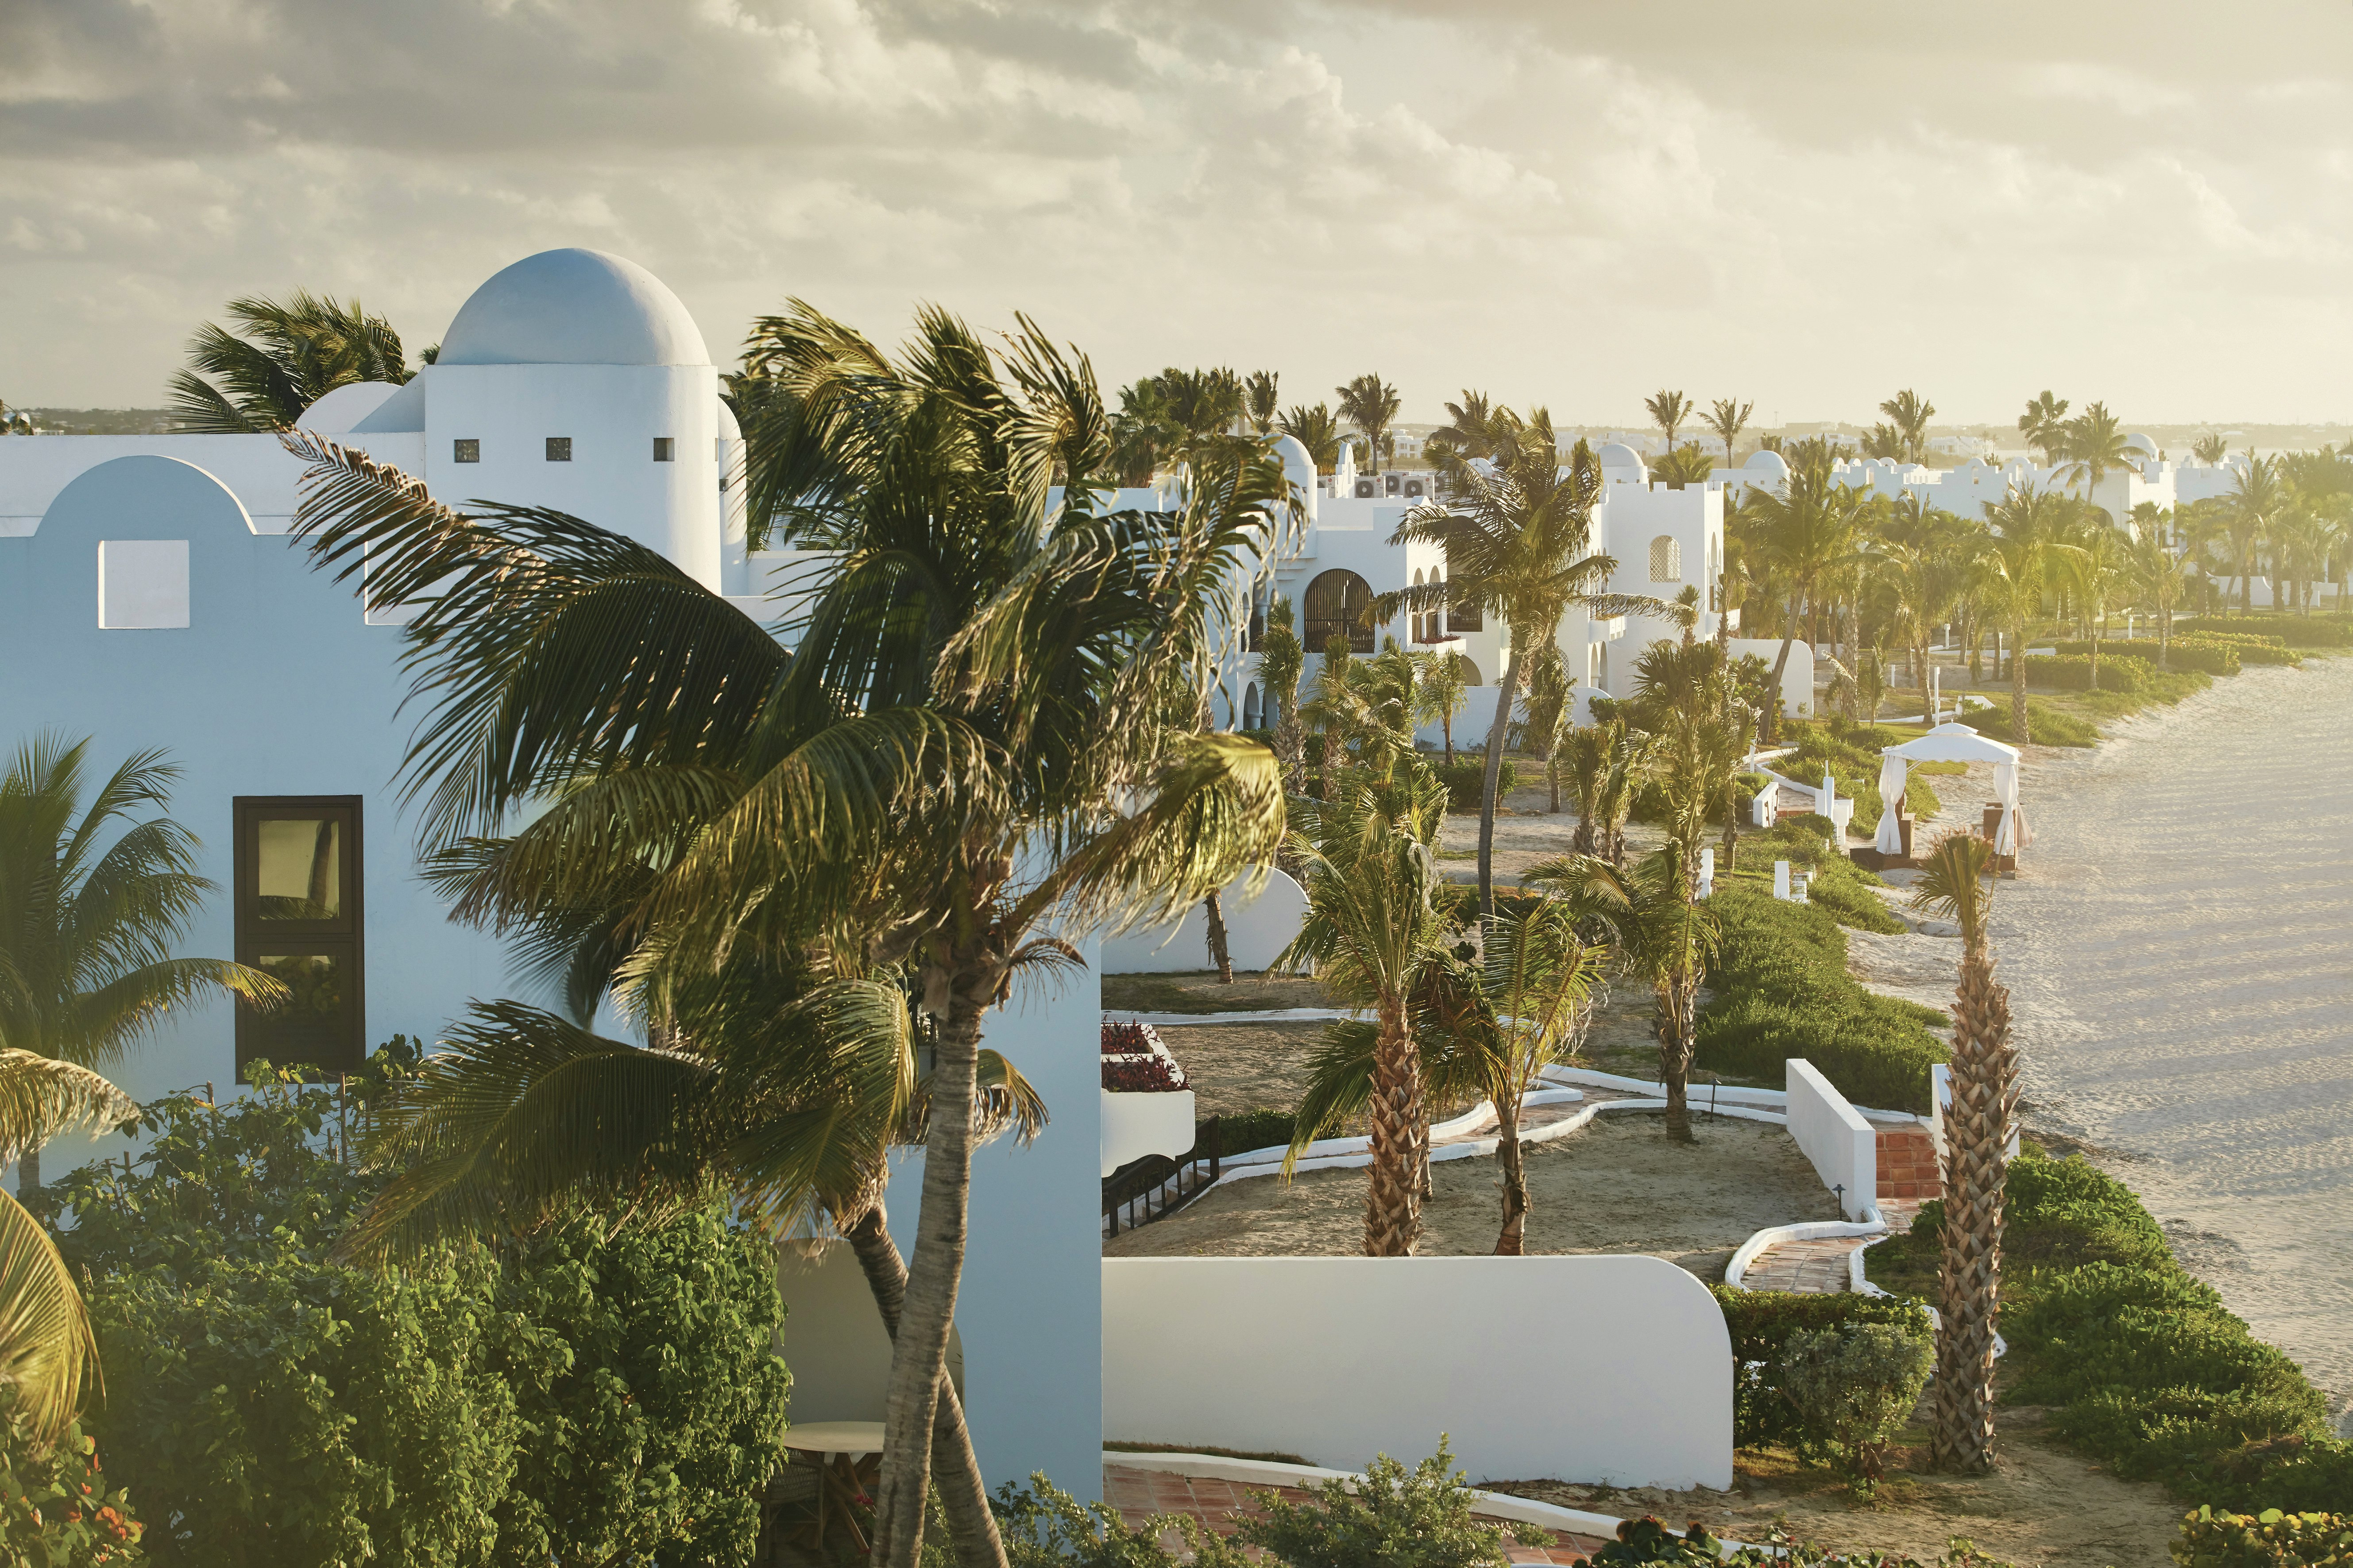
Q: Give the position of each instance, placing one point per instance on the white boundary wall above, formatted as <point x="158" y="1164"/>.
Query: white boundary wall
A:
<point x="1136" y="1123"/>
<point x="1344" y="1358"/>
<point x="1256" y="929"/>
<point x="1835" y="1137"/>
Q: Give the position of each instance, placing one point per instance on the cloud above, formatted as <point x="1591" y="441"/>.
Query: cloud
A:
<point x="1806" y="204"/>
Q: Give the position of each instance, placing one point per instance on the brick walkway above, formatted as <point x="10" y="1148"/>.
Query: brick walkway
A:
<point x="1908" y="1178"/>
<point x="1139" y="1494"/>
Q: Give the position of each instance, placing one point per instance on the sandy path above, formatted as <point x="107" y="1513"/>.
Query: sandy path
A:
<point x="1236" y="1067"/>
<point x="2041" y="1506"/>
<point x="1618" y="1185"/>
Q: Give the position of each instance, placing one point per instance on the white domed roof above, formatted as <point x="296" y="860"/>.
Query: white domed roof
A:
<point x="573" y="307"/>
<point x="341" y="410"/>
<point x="2143" y="442"/>
<point x="1617" y="455"/>
<point x="1766" y="460"/>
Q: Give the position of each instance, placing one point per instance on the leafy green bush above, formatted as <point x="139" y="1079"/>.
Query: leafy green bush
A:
<point x="2290" y="631"/>
<point x="2047" y="726"/>
<point x="1853" y="1386"/>
<point x="55" y="1509"/>
<point x="1046" y="1527"/>
<point x="1467" y="781"/>
<point x="1761" y="1323"/>
<point x="573" y="1398"/>
<point x="1390" y="1518"/>
<point x="1647" y="1540"/>
<point x="2249" y="650"/>
<point x="2128" y="676"/>
<point x="1781" y="990"/>
<point x="1251" y="1129"/>
<point x="2182" y="653"/>
<point x="2269" y="1540"/>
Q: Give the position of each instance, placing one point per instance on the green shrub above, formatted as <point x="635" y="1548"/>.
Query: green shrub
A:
<point x="1466" y="781"/>
<point x="1761" y="1323"/>
<point x="1046" y="1527"/>
<point x="1839" y="885"/>
<point x="2127" y="676"/>
<point x="2047" y="726"/>
<point x="573" y="1397"/>
<point x="2248" y="650"/>
<point x="56" y="1510"/>
<point x="1647" y="1540"/>
<point x="1389" y="1518"/>
<point x="1251" y="1129"/>
<point x="2182" y="653"/>
<point x="2289" y="631"/>
<point x="1853" y="1386"/>
<point x="2269" y="1540"/>
<point x="1781" y="990"/>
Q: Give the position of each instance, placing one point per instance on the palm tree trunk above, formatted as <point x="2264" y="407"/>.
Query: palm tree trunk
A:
<point x="1331" y="762"/>
<point x="1511" y="1157"/>
<point x="918" y="1354"/>
<point x="1552" y="779"/>
<point x="28" y="1173"/>
<point x="1393" y="1198"/>
<point x="963" y="1496"/>
<point x="2017" y="682"/>
<point x="1222" y="957"/>
<point x="1977" y="1143"/>
<point x="1504" y="699"/>
<point x="1291" y="746"/>
<point x="2165" y="636"/>
<point x="1675" y="996"/>
<point x="1446" y="729"/>
<point x="1767" y="719"/>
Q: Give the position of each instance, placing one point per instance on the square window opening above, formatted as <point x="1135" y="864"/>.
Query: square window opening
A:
<point x="143" y="584"/>
<point x="665" y="449"/>
<point x="559" y="449"/>
<point x="298" y="919"/>
<point x="467" y="450"/>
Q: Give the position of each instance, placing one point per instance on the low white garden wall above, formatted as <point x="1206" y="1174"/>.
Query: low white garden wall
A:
<point x="1836" y="1138"/>
<point x="1136" y="1124"/>
<point x="1256" y="929"/>
<point x="1342" y="1358"/>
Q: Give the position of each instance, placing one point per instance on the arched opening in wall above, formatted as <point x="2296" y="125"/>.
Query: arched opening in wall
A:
<point x="1420" y="623"/>
<point x="1666" y="559"/>
<point x="1461" y="618"/>
<point x="1250" y="706"/>
<point x="1469" y="671"/>
<point x="1336" y="605"/>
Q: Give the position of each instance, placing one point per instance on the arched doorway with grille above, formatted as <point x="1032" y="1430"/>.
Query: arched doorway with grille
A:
<point x="1335" y="604"/>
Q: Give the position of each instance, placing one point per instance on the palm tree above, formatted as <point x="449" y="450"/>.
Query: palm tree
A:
<point x="1372" y="930"/>
<point x="46" y="1342"/>
<point x="87" y="927"/>
<point x="1142" y="432"/>
<point x="1315" y="430"/>
<point x="1660" y="933"/>
<point x="2032" y="542"/>
<point x="1281" y="662"/>
<point x="1370" y="404"/>
<point x="1910" y="412"/>
<point x="2258" y="497"/>
<point x="1439" y="695"/>
<point x="1204" y="404"/>
<point x="1519" y="541"/>
<point x="1259" y="394"/>
<point x="1549" y="714"/>
<point x="1804" y="535"/>
<point x="1685" y="466"/>
<point x="1539" y="977"/>
<point x="2158" y="573"/>
<point x="2100" y="567"/>
<point x="1669" y="411"/>
<point x="980" y="677"/>
<point x="2044" y="425"/>
<point x="280" y="360"/>
<point x="2096" y="447"/>
<point x="1728" y="417"/>
<point x="2210" y="449"/>
<point x="1955" y="883"/>
<point x="1919" y="585"/>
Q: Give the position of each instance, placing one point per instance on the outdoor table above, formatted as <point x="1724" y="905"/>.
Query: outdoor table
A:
<point x="849" y="1455"/>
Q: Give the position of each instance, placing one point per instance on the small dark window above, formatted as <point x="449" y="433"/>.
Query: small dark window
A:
<point x="559" y="449"/>
<point x="665" y="449"/>
<point x="298" y="918"/>
<point x="468" y="450"/>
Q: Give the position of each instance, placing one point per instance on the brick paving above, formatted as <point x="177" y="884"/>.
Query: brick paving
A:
<point x="1908" y="1178"/>
<point x="1219" y="1505"/>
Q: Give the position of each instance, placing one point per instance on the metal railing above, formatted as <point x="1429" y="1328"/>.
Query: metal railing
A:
<point x="1157" y="1186"/>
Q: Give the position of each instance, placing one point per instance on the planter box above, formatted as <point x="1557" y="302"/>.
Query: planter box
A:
<point x="1134" y="1125"/>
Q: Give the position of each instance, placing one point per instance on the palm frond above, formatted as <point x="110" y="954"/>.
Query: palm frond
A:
<point x="47" y="1346"/>
<point x="41" y="1099"/>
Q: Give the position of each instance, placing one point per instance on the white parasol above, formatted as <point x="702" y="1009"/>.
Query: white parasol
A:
<point x="1893" y="772"/>
<point x="2014" y="835"/>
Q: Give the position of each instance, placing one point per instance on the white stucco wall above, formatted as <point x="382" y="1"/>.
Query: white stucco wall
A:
<point x="1282" y="1352"/>
<point x="1136" y="1123"/>
<point x="1834" y="1136"/>
<point x="1258" y="926"/>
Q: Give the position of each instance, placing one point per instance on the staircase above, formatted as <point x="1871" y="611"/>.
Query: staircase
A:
<point x="1907" y="1165"/>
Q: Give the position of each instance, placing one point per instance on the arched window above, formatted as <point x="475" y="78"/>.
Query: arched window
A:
<point x="1420" y="623"/>
<point x="1469" y="670"/>
<point x="1461" y="618"/>
<point x="1666" y="559"/>
<point x="1336" y="605"/>
<point x="1250" y="706"/>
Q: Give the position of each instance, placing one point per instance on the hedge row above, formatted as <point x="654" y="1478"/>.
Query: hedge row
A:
<point x="2183" y="653"/>
<point x="1466" y="781"/>
<point x="1782" y="990"/>
<point x="1760" y="1322"/>
<point x="2251" y="650"/>
<point x="2272" y="1539"/>
<point x="2066" y="673"/>
<point x="2291" y="631"/>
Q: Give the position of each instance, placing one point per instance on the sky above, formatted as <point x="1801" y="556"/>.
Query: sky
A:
<point x="1803" y="204"/>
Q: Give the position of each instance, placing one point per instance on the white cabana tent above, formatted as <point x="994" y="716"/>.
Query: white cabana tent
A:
<point x="1951" y="744"/>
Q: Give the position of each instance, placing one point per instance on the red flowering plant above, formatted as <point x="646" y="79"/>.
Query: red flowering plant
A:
<point x="1135" y="1061"/>
<point x="56" y="1510"/>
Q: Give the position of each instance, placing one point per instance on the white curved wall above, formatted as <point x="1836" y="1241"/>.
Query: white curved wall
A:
<point x="1256" y="929"/>
<point x="1137" y="1123"/>
<point x="1342" y="1358"/>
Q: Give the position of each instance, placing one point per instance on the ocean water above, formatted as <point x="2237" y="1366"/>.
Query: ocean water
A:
<point x="2179" y="956"/>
